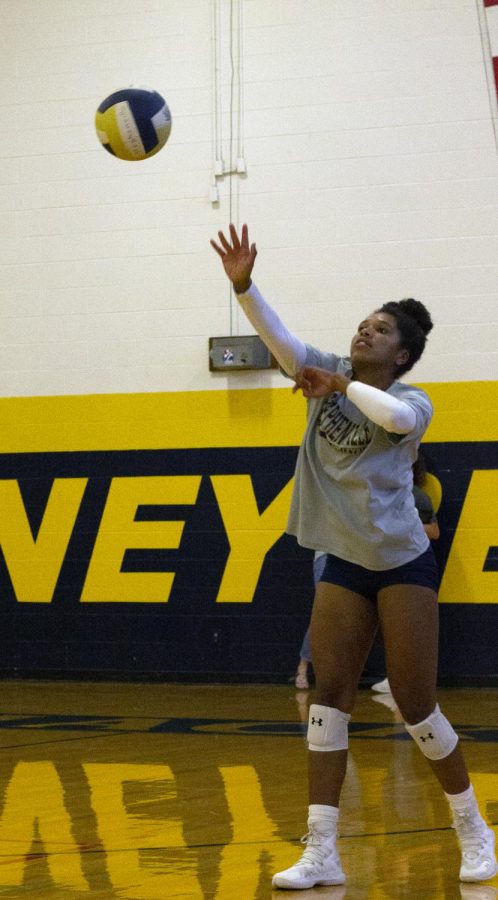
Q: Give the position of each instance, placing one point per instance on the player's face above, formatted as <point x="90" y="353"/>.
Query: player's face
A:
<point x="378" y="342"/>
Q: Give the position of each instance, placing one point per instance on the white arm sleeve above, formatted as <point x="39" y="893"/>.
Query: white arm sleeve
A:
<point x="393" y="415"/>
<point x="288" y="350"/>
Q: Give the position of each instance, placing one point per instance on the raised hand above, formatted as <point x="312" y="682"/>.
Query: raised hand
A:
<point x="316" y="382"/>
<point x="238" y="257"/>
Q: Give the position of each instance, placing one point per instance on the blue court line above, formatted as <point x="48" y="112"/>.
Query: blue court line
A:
<point x="219" y="726"/>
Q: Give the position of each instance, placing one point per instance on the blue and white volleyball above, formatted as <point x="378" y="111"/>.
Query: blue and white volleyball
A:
<point x="133" y="123"/>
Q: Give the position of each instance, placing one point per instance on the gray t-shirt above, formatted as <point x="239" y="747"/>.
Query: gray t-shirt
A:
<point x="353" y="485"/>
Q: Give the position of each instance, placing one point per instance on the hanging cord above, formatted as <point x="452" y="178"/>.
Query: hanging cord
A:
<point x="215" y="74"/>
<point x="241" y="164"/>
<point x="230" y="157"/>
<point x="236" y="162"/>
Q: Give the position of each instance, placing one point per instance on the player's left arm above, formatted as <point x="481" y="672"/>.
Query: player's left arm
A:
<point x="392" y="414"/>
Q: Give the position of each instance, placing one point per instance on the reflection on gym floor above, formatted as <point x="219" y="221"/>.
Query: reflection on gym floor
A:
<point x="199" y="791"/>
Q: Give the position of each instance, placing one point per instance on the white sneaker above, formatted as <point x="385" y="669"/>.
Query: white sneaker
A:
<point x="478" y="849"/>
<point x="382" y="687"/>
<point x="386" y="700"/>
<point x="319" y="864"/>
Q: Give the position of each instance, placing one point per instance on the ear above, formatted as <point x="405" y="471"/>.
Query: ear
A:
<point x="402" y="357"/>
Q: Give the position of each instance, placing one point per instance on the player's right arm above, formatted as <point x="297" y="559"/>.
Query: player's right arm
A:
<point x="238" y="259"/>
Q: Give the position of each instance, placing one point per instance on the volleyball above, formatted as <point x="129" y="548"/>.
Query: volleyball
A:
<point x="133" y="123"/>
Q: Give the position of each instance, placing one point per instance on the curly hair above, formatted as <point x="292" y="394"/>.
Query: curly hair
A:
<point x="414" y="323"/>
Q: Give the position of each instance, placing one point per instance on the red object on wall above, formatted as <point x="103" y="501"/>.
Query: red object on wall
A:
<point x="492" y="17"/>
<point x="495" y="68"/>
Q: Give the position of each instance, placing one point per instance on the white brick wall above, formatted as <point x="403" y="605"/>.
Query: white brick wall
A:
<point x="372" y="175"/>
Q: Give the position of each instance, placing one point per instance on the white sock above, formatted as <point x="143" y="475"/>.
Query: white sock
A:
<point x="465" y="803"/>
<point x="324" y="816"/>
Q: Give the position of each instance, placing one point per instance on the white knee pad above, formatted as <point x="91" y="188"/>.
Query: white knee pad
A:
<point x="435" y="735"/>
<point x="327" y="728"/>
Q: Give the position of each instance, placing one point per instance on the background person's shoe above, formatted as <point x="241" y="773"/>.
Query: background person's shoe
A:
<point x="386" y="700"/>
<point x="382" y="687"/>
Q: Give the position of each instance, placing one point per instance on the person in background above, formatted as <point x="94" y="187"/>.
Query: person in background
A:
<point x="301" y="679"/>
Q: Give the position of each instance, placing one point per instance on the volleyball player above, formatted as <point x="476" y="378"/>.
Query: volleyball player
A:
<point x="353" y="499"/>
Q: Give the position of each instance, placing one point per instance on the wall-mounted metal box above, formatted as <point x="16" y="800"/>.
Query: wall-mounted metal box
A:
<point x="241" y="352"/>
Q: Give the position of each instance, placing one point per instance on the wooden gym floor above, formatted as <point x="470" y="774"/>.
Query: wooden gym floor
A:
<point x="155" y="791"/>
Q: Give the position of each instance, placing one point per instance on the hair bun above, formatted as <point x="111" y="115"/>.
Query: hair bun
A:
<point x="416" y="310"/>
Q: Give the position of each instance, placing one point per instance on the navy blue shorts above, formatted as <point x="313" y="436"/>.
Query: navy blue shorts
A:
<point x="423" y="570"/>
